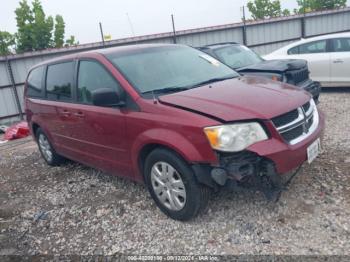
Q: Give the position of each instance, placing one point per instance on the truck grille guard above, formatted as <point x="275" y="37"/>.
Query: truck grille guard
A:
<point x="298" y="76"/>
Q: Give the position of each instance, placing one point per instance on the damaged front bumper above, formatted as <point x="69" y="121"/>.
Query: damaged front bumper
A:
<point x="314" y="88"/>
<point x="242" y="170"/>
<point x="258" y="167"/>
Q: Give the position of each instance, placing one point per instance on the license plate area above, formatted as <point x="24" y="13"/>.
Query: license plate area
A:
<point x="313" y="150"/>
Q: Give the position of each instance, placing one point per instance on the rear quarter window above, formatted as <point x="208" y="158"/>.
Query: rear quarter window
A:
<point x="341" y="45"/>
<point x="59" y="81"/>
<point x="34" y="82"/>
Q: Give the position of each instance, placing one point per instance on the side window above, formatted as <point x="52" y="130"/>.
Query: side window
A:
<point x="293" y="51"/>
<point x="341" y="45"/>
<point x="34" y="82"/>
<point x="93" y="76"/>
<point x="59" y="81"/>
<point x="313" y="47"/>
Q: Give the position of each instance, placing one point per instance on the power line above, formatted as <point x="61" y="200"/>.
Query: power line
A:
<point x="130" y="24"/>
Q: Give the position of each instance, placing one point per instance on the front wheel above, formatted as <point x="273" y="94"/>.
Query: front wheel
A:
<point x="173" y="187"/>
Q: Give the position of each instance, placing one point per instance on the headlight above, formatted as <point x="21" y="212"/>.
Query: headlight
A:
<point x="277" y="78"/>
<point x="235" y="137"/>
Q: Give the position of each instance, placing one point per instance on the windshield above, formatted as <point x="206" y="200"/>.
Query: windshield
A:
<point x="237" y="56"/>
<point x="171" y="68"/>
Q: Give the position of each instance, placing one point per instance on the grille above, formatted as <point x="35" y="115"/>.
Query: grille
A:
<point x="298" y="76"/>
<point x="285" y="118"/>
<point x="297" y="124"/>
<point x="293" y="133"/>
<point x="306" y="107"/>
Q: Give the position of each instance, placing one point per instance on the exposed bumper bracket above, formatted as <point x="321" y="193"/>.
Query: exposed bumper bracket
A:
<point x="245" y="170"/>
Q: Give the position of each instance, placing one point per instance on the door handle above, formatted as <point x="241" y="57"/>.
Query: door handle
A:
<point x="65" y="113"/>
<point x="79" y="114"/>
<point x="338" y="61"/>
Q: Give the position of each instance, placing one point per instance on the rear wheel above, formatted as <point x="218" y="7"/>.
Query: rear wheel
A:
<point x="46" y="149"/>
<point x="173" y="187"/>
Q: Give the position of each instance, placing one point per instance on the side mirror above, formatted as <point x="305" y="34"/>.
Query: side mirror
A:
<point x="106" y="97"/>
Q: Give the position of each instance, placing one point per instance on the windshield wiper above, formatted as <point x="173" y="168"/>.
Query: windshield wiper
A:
<point x="212" y="80"/>
<point x="183" y="88"/>
<point x="166" y="90"/>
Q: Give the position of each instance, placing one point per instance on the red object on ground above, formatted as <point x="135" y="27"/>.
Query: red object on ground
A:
<point x="19" y="130"/>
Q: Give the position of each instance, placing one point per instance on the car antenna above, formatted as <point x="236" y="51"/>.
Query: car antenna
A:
<point x="155" y="99"/>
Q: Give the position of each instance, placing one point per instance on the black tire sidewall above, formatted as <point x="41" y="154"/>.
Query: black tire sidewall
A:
<point x="193" y="194"/>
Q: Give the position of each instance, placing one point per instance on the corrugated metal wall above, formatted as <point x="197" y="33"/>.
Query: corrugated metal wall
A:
<point x="275" y="35"/>
<point x="8" y="106"/>
<point x="262" y="36"/>
<point x="207" y="38"/>
<point x="327" y="23"/>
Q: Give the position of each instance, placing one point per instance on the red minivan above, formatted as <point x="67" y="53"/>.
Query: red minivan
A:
<point x="173" y="118"/>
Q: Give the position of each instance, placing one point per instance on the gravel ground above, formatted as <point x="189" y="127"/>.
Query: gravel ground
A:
<point x="74" y="209"/>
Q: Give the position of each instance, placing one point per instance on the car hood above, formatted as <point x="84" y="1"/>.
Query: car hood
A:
<point x="280" y="65"/>
<point x="239" y="99"/>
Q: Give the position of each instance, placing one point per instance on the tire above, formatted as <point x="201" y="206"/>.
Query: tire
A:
<point x="173" y="185"/>
<point x="46" y="149"/>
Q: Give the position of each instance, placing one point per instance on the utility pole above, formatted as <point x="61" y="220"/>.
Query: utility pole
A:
<point x="103" y="39"/>
<point x="244" y="30"/>
<point x="13" y="84"/>
<point x="303" y="33"/>
<point x="174" y="31"/>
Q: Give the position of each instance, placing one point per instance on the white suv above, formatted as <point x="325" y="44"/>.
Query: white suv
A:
<point x="328" y="57"/>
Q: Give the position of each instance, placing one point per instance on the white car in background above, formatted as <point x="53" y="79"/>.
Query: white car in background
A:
<point x="328" y="58"/>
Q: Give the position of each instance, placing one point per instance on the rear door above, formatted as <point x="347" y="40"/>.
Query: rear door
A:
<point x="57" y="108"/>
<point x="318" y="58"/>
<point x="99" y="132"/>
<point x="340" y="62"/>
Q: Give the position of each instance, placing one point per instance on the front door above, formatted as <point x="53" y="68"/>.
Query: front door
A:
<point x="340" y="62"/>
<point x="99" y="135"/>
<point x="318" y="58"/>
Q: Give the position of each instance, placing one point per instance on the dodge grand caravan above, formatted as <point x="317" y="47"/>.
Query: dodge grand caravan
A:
<point x="172" y="117"/>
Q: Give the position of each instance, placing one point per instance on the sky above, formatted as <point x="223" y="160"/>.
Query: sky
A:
<point x="126" y="18"/>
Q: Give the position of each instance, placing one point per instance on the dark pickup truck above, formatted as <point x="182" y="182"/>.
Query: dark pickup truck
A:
<point x="247" y="62"/>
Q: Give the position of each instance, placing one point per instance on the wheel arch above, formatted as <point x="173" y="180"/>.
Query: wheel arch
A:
<point x="35" y="127"/>
<point x="148" y="149"/>
<point x="167" y="139"/>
